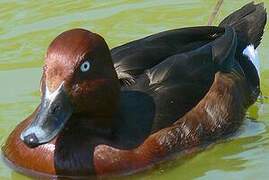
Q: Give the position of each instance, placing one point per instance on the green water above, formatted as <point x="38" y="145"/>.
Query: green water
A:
<point x="27" y="27"/>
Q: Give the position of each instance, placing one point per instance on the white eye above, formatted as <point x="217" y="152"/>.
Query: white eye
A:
<point x="85" y="66"/>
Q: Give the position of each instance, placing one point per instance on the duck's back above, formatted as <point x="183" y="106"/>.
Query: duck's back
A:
<point x="176" y="68"/>
<point x="133" y="58"/>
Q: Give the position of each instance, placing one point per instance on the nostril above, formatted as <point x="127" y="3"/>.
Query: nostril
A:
<point x="55" y="109"/>
<point x="31" y="140"/>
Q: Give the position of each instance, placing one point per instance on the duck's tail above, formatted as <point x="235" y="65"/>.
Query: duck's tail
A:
<point x="248" y="22"/>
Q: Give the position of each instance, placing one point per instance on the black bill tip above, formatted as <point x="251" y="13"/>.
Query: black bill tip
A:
<point x="31" y="140"/>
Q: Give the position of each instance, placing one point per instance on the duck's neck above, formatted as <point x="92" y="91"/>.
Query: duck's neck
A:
<point x="75" y="145"/>
<point x="100" y="108"/>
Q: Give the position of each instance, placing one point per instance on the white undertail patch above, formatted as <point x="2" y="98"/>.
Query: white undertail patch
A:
<point x="252" y="54"/>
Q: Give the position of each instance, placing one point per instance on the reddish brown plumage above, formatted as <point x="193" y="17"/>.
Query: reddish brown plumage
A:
<point x="40" y="159"/>
<point x="87" y="91"/>
<point x="196" y="128"/>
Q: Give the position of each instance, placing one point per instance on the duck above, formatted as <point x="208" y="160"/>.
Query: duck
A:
<point x="119" y="111"/>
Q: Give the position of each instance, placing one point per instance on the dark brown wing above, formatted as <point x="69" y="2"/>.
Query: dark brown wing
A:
<point x="133" y="58"/>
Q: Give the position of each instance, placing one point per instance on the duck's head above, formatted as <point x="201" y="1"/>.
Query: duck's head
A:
<point x="78" y="79"/>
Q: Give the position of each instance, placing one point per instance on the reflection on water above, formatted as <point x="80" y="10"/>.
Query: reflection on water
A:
<point x="27" y="27"/>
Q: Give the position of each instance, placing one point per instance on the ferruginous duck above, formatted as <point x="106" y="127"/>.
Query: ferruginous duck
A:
<point x="118" y="111"/>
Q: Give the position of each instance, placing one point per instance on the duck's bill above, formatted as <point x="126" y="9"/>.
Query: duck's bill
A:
<point x="50" y="119"/>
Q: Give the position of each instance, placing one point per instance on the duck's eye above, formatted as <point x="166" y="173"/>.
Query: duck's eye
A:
<point x="85" y="66"/>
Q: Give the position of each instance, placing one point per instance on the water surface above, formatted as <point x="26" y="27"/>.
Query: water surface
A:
<point x="27" y="27"/>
